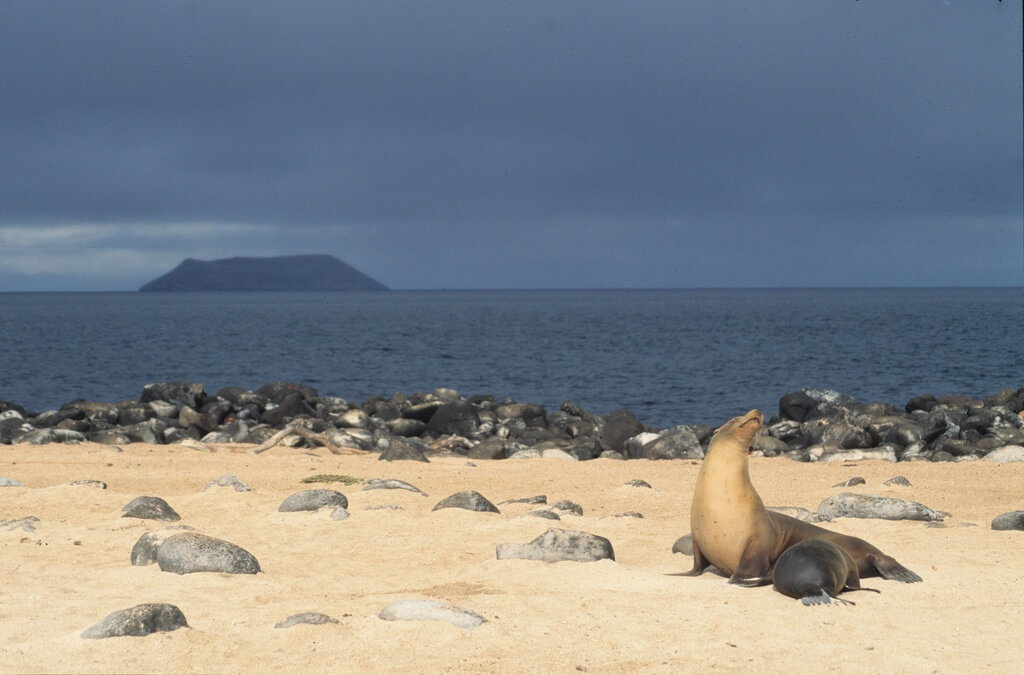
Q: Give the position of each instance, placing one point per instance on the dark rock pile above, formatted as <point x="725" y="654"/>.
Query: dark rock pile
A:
<point x="811" y="425"/>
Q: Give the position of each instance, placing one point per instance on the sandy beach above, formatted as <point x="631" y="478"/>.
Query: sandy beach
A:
<point x="623" y="616"/>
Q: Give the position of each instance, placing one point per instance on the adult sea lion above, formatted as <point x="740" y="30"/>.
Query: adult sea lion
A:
<point x="815" y="571"/>
<point x="733" y="531"/>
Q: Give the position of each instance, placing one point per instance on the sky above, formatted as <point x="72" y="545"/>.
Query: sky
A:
<point x="548" y="144"/>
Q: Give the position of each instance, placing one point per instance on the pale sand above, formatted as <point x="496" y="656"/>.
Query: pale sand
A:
<point x="621" y="616"/>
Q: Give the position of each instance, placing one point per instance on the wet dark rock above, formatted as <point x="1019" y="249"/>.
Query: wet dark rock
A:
<point x="849" y="505"/>
<point x="150" y="508"/>
<point x="1012" y="520"/>
<point x="557" y="545"/>
<point x="311" y="500"/>
<point x="314" y="618"/>
<point x="470" y="500"/>
<point x="190" y="552"/>
<point x="138" y="621"/>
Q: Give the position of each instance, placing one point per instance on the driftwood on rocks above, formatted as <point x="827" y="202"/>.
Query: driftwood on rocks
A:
<point x="295" y="430"/>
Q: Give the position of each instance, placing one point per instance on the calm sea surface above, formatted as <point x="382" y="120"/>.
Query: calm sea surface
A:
<point x="670" y="356"/>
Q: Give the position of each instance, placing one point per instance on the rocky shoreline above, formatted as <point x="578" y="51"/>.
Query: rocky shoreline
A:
<point x="810" y="425"/>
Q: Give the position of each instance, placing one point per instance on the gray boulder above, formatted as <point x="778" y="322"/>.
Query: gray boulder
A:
<point x="556" y="545"/>
<point x="850" y="505"/>
<point x="471" y="500"/>
<point x="677" y="443"/>
<point x="314" y="618"/>
<point x="138" y="621"/>
<point x="1013" y="520"/>
<point x="431" y="610"/>
<point x="150" y="508"/>
<point x="311" y="500"/>
<point x="190" y="552"/>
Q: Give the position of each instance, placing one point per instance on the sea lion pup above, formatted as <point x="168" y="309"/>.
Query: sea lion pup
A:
<point x="815" y="571"/>
<point x="733" y="531"/>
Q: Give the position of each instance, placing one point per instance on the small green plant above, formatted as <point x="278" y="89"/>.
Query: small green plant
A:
<point x="331" y="478"/>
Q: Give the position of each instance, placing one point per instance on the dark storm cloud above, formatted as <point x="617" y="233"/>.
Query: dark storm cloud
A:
<point x="484" y="117"/>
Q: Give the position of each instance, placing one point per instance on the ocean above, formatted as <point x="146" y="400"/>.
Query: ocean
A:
<point x="669" y="356"/>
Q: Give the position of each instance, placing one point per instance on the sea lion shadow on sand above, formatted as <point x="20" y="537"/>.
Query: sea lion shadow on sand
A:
<point x="733" y="531"/>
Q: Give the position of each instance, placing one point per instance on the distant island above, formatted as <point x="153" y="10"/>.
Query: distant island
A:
<point x="279" y="273"/>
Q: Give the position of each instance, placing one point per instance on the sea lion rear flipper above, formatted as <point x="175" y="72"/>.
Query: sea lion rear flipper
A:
<point x="888" y="568"/>
<point x="700" y="563"/>
<point x="755" y="566"/>
<point x="824" y="598"/>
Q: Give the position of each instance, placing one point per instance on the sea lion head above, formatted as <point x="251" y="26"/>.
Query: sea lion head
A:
<point x="741" y="430"/>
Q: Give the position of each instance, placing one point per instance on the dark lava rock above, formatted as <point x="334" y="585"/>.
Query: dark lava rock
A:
<point x="796" y="406"/>
<point x="311" y="500"/>
<point x="422" y="411"/>
<point x="459" y="417"/>
<point x="619" y="427"/>
<point x="490" y="448"/>
<point x="898" y="480"/>
<point x="678" y="443"/>
<point x="850" y="505"/>
<point x="293" y="405"/>
<point x="190" y="552"/>
<point x="636" y="482"/>
<point x="306" y="617"/>
<point x="178" y="393"/>
<point x="400" y="449"/>
<point x="1012" y="520"/>
<point x="557" y="544"/>
<point x="856" y="480"/>
<point x="278" y="392"/>
<point x="138" y="621"/>
<point x="470" y="500"/>
<point x="566" y="505"/>
<point x="150" y="508"/>
<point x="406" y="426"/>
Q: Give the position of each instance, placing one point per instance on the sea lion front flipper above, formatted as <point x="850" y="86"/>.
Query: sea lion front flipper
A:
<point x="755" y="566"/>
<point x="888" y="568"/>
